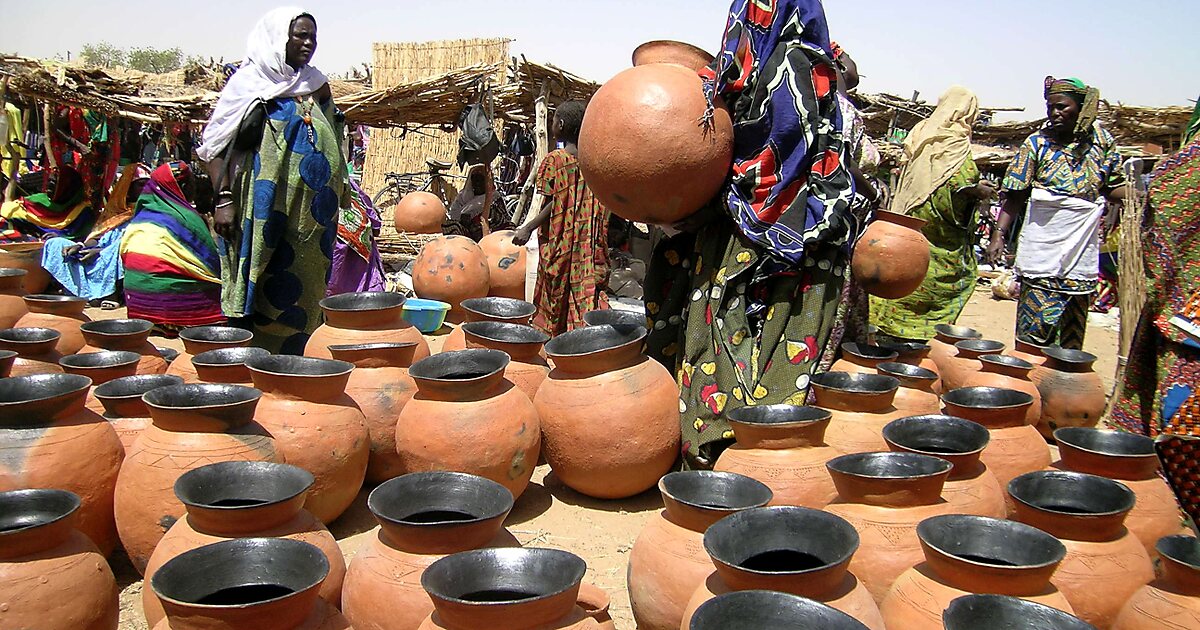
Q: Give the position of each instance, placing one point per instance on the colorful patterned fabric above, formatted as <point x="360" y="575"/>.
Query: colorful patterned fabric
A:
<point x="357" y="265"/>
<point x="1054" y="311"/>
<point x="1080" y="169"/>
<point x="573" y="254"/>
<point x="1180" y="457"/>
<point x="64" y="212"/>
<point x="1088" y="98"/>
<point x="92" y="281"/>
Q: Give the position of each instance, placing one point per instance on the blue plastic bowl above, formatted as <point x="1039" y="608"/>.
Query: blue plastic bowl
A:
<point x="427" y="315"/>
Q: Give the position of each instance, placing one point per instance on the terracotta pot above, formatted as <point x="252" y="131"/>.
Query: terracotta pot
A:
<point x="128" y="335"/>
<point x="1130" y="459"/>
<point x="916" y="396"/>
<point x="102" y="367"/>
<point x="1105" y="564"/>
<point x="769" y="609"/>
<point x="787" y="549"/>
<point x="316" y="425"/>
<point x="917" y="354"/>
<point x="489" y="309"/>
<point x="862" y="358"/>
<point x="1001" y="612"/>
<point x="12" y="307"/>
<point x="466" y="417"/>
<point x="668" y="562"/>
<point x="971" y="487"/>
<point x="891" y="258"/>
<point x="191" y="426"/>
<point x="861" y="404"/>
<point x="784" y="447"/>
<point x="27" y="256"/>
<point x="419" y="212"/>
<point x="595" y="603"/>
<point x="233" y="500"/>
<point x="227" y="365"/>
<point x="645" y="150"/>
<point x="35" y="348"/>
<point x="1072" y="393"/>
<point x="381" y="387"/>
<point x="614" y="317"/>
<point x="7" y="359"/>
<point x="423" y="517"/>
<point x="122" y="405"/>
<point x="245" y="584"/>
<point x="667" y="51"/>
<point x="1007" y="372"/>
<point x="966" y="362"/>
<point x="200" y="339"/>
<point x="51" y="575"/>
<point x="1015" y="447"/>
<point x="1173" y="599"/>
<point x="63" y="313"/>
<point x="941" y="347"/>
<point x="610" y="414"/>
<point x="1028" y="351"/>
<point x="48" y="439"/>
<point x="451" y="269"/>
<point x="523" y="344"/>
<point x="966" y="555"/>
<point x="506" y="264"/>
<point x="358" y="318"/>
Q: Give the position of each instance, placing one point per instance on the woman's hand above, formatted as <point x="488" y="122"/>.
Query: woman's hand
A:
<point x="994" y="254"/>
<point x="522" y="235"/>
<point x="225" y="216"/>
<point x="985" y="189"/>
<point x="71" y="250"/>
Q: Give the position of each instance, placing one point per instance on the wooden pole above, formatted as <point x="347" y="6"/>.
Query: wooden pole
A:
<point x="530" y="198"/>
<point x="1131" y="268"/>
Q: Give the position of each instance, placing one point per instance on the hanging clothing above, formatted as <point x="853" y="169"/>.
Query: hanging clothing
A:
<point x="357" y="265"/>
<point x="63" y="212"/>
<point x="10" y="154"/>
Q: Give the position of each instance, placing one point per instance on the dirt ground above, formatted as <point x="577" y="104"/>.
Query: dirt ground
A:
<point x="603" y="532"/>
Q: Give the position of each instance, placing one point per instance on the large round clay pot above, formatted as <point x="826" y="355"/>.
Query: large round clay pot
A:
<point x="784" y="447"/>
<point x="668" y="51"/>
<point x="971" y="487"/>
<point x="35" y="348"/>
<point x="652" y="148"/>
<point x="316" y="425"/>
<point x="966" y="555"/>
<point x="861" y="404"/>
<point x="101" y="367"/>
<point x="1174" y="598"/>
<point x="523" y="344"/>
<point x="12" y="307"/>
<point x="227" y="365"/>
<point x="506" y="264"/>
<point x="941" y="347"/>
<point x="200" y="339"/>
<point x="1105" y="564"/>
<point x="122" y="405"/>
<point x="419" y="212"/>
<point x="244" y="584"/>
<point x="489" y="309"/>
<point x="191" y="426"/>
<point x="862" y="358"/>
<point x="967" y="361"/>
<point x="668" y="562"/>
<point x="1029" y="351"/>
<point x="747" y="610"/>
<point x="911" y="353"/>
<point x="891" y="258"/>
<point x="51" y="575"/>
<point x="610" y="414"/>
<point x="1015" y="448"/>
<point x="358" y="318"/>
<point x="1130" y="459"/>
<point x="63" y="313"/>
<point x="617" y="318"/>
<point x="381" y="387"/>
<point x="128" y="335"/>
<point x="423" y="517"/>
<point x="27" y="256"/>
<point x="788" y="549"/>
<point x="451" y="269"/>
<point x="49" y="439"/>
<point x="7" y="359"/>
<point x="1072" y="392"/>
<point x="1006" y="372"/>
<point x="1002" y="612"/>
<point x="463" y="396"/>
<point x="916" y="396"/>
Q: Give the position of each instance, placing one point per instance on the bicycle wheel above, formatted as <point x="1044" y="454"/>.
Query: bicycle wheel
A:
<point x="388" y="197"/>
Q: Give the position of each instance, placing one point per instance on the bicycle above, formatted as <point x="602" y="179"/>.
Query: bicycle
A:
<point x="434" y="180"/>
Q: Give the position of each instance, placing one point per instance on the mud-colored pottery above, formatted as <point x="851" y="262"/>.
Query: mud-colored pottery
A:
<point x="232" y="500"/>
<point x="891" y="258"/>
<point x="489" y="309"/>
<point x="451" y="269"/>
<point x="783" y="446"/>
<point x="1173" y="600"/>
<point x="358" y="318"/>
<point x="7" y="359"/>
<point x="861" y="358"/>
<point x="381" y="387"/>
<point x="1007" y="372"/>
<point x="1105" y="564"/>
<point x="200" y="339"/>
<point x="27" y="256"/>
<point x="917" y="354"/>
<point x="523" y="344"/>
<point x="101" y="367"/>
<point x="941" y="347"/>
<point x="752" y="610"/>
<point x="971" y="487"/>
<point x="788" y="549"/>
<point x="52" y="577"/>
<point x="668" y="562"/>
<point x="1029" y="351"/>
<point x="610" y="414"/>
<point x="63" y="313"/>
<point x="653" y="148"/>
<point x="966" y="361"/>
<point x="1002" y="612"/>
<point x="317" y="426"/>
<point x="616" y="318"/>
<point x="1015" y="448"/>
<point x="128" y="335"/>
<point x="1072" y="393"/>
<point x="965" y="555"/>
<point x="35" y="348"/>
<point x="227" y="365"/>
<point x="191" y="425"/>
<point x="861" y="405"/>
<point x="12" y="307"/>
<point x="419" y="212"/>
<point x="668" y="51"/>
<point x="246" y="584"/>
<point x="1130" y="459"/>
<point x="506" y="264"/>
<point x="49" y="439"/>
<point x="596" y="603"/>
<point x="423" y="517"/>
<point x="916" y="395"/>
<point x="168" y="354"/>
<point x="122" y="405"/>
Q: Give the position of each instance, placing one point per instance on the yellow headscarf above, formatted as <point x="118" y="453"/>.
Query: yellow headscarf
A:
<point x="936" y="148"/>
<point x="116" y="211"/>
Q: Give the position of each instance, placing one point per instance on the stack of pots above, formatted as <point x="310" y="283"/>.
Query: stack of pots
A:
<point x="523" y="345"/>
<point x="226" y="365"/>
<point x="123" y="405"/>
<point x="36" y="350"/>
<point x="1015" y="447"/>
<point x="941" y="347"/>
<point x="1174" y="596"/>
<point x="358" y="318"/>
<point x="971" y="488"/>
<point x="127" y="335"/>
<point x="1072" y="392"/>
<point x="12" y="307"/>
<point x="861" y="404"/>
<point x="862" y="358"/>
<point x="200" y="339"/>
<point x="63" y="313"/>
<point x="381" y="386"/>
<point x="917" y="393"/>
<point x="489" y="309"/>
<point x="965" y="362"/>
<point x="1007" y="372"/>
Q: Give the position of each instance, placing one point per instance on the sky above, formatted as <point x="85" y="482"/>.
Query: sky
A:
<point x="1142" y="53"/>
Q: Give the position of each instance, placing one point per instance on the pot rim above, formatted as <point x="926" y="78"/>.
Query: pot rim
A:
<point x="765" y="415"/>
<point x="7" y="354"/>
<point x="275" y="365"/>
<point x="199" y="334"/>
<point x="986" y="346"/>
<point x="358" y="347"/>
<point x="344" y="303"/>
<point x="1065" y="435"/>
<point x="505" y="555"/>
<point x="44" y="386"/>
<point x="842" y="465"/>
<point x="103" y="392"/>
<point x="429" y="368"/>
<point x="52" y="299"/>
<point x="614" y="317"/>
<point x="750" y="484"/>
<point x="892" y="427"/>
<point x="958" y="332"/>
<point x="873" y="383"/>
<point x="305" y="479"/>
<point x="868" y="351"/>
<point x="66" y="504"/>
<point x="263" y="547"/>
<point x="924" y="535"/>
<point x="516" y="309"/>
<point x="494" y="331"/>
<point x="225" y="357"/>
<point x="628" y="338"/>
<point x="1007" y="361"/>
<point x="97" y="327"/>
<point x="1016" y="489"/>
<point x="904" y="370"/>
<point x="1073" y="357"/>
<point x="45" y="335"/>
<point x="1025" y="609"/>
<point x="11" y="272"/>
<point x="777" y="514"/>
<point x="906" y="347"/>
<point x="237" y="395"/>
<point x="951" y="397"/>
<point x="95" y="360"/>
<point x="379" y="509"/>
<point x="1177" y="548"/>
<point x="776" y="607"/>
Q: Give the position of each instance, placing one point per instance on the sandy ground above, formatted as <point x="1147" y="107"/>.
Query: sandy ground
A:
<point x="603" y="532"/>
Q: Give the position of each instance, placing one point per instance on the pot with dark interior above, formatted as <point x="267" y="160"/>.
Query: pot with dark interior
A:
<point x="199" y="339"/>
<point x="971" y="487"/>
<point x="1015" y="447"/>
<point x="1001" y="612"/>
<point x="489" y="309"/>
<point x="123" y="407"/>
<point x="754" y="610"/>
<point x="129" y="335"/>
<point x="1175" y="595"/>
<point x="366" y="317"/>
<point x="861" y="405"/>
<point x="226" y="365"/>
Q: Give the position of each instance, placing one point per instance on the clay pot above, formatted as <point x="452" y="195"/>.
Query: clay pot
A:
<point x="233" y="500"/>
<point x="129" y="335"/>
<point x="1072" y="393"/>
<point x="101" y="367"/>
<point x="652" y="149"/>
<point x="667" y="51"/>
<point x="168" y="354"/>
<point x="423" y="517"/>
<point x="122" y="405"/>
<point x="466" y="417"/>
<point x="1028" y="351"/>
<point x="610" y="414"/>
<point x="751" y="610"/>
<point x="965" y="555"/>
<point x="358" y="318"/>
<point x="861" y="404"/>
<point x="787" y="549"/>
<point x="784" y="447"/>
<point x="245" y="584"/>
<point x="1130" y="459"/>
<point x="227" y="365"/>
<point x="381" y="387"/>
<point x="941" y="347"/>
<point x="35" y="348"/>
<point x="891" y="257"/>
<point x="27" y="256"/>
<point x="916" y="396"/>
<point x="615" y="318"/>
<point x="668" y="562"/>
<point x="966" y="362"/>
<point x="523" y="344"/>
<point x="316" y="425"/>
<point x="1007" y="372"/>
<point x="419" y="212"/>
<point x="1015" y="447"/>
<point x="862" y="358"/>
<point x="12" y="307"/>
<point x="191" y="426"/>
<point x="489" y="309"/>
<point x="48" y="439"/>
<point x="200" y="339"/>
<point x="1105" y="564"/>
<point x="63" y="313"/>
<point x="917" y="354"/>
<point x="1001" y="612"/>
<point x="1172" y="599"/>
<point x="971" y="487"/>
<point x="451" y="269"/>
<point x="51" y="575"/>
<point x="7" y="359"/>
<point x="506" y="264"/>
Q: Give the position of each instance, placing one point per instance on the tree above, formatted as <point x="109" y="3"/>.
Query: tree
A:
<point x="103" y="55"/>
<point x="155" y="60"/>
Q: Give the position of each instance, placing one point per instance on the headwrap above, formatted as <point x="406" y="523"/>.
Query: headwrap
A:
<point x="263" y="76"/>
<point x="1088" y="98"/>
<point x="170" y="178"/>
<point x="936" y="148"/>
<point x="1193" y="126"/>
<point x="117" y="210"/>
<point x="836" y="50"/>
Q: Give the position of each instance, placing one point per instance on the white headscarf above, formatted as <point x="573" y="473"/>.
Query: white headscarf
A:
<point x="263" y="76"/>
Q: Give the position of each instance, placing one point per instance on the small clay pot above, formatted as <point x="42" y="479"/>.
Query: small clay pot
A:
<point x="123" y="407"/>
<point x="971" y="487"/>
<point x="668" y="51"/>
<point x="451" y="269"/>
<point x="63" y="313"/>
<point x="12" y="307"/>
<point x="128" y="335"/>
<point x="891" y="258"/>
<point x="1001" y="612"/>
<point x="381" y="386"/>
<point x="784" y="447"/>
<point x="965" y="363"/>
<point x="618" y="319"/>
<point x="1015" y="448"/>
<point x="227" y="365"/>
<point x="917" y="354"/>
<point x="7" y="359"/>
<point x="199" y="339"/>
<point x="941" y="347"/>
<point x="35" y="348"/>
<point x="1072" y="393"/>
<point x="358" y="318"/>
<point x="1006" y="372"/>
<point x="1028" y="351"/>
<point x="506" y="264"/>
<point x="27" y="256"/>
<point x="861" y="405"/>
<point x="752" y="610"/>
<point x="916" y="396"/>
<point x="168" y="354"/>
<point x="1174" y="596"/>
<point x="419" y="212"/>
<point x="101" y="366"/>
<point x="523" y="344"/>
<point x="862" y="358"/>
<point x="489" y="309"/>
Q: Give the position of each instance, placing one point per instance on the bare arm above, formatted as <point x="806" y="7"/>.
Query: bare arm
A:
<point x="536" y="222"/>
<point x="1014" y="203"/>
